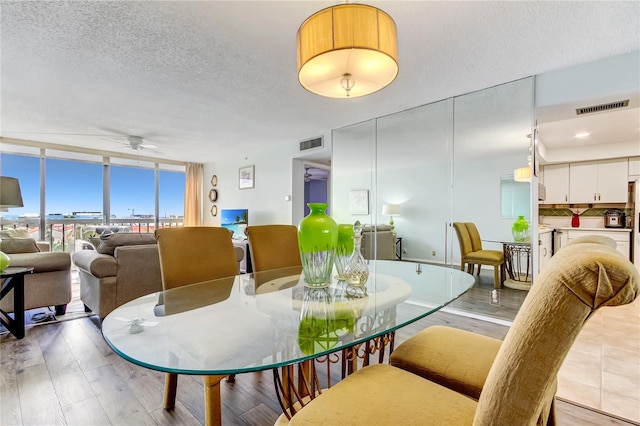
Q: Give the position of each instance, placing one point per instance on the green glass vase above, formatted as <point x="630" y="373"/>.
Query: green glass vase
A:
<point x="520" y="230"/>
<point x="5" y="261"/>
<point x="323" y="320"/>
<point x="317" y="239"/>
<point x="344" y="248"/>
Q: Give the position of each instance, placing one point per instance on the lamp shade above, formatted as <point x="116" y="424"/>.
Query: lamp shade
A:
<point x="390" y="210"/>
<point x="348" y="50"/>
<point x="523" y="174"/>
<point x="10" y="195"/>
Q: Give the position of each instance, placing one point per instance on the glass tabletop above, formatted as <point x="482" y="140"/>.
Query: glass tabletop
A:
<point x="265" y="320"/>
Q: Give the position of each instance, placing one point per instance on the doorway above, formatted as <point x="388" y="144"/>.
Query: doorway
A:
<point x="316" y="184"/>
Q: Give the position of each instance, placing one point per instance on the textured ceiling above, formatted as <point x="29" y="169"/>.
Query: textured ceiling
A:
<point x="207" y="80"/>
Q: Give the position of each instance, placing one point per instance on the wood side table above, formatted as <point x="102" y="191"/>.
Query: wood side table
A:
<point x="14" y="279"/>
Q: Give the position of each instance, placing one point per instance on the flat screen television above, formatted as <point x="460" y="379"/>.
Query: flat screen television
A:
<point x="236" y="220"/>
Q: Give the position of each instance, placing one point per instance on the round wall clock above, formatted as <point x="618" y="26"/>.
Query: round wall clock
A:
<point x="214" y="210"/>
<point x="214" y="180"/>
<point x="213" y="195"/>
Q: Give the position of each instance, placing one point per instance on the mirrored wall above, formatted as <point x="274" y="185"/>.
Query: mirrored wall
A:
<point x="430" y="166"/>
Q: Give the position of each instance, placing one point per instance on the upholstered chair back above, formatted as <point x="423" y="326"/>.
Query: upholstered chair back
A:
<point x="464" y="239"/>
<point x="273" y="247"/>
<point x="193" y="254"/>
<point x="476" y="242"/>
<point x="578" y="280"/>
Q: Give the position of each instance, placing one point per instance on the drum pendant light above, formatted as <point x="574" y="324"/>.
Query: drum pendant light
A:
<point x="347" y="51"/>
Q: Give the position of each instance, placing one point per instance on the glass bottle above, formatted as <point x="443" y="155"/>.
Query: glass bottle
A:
<point x="344" y="249"/>
<point x="356" y="273"/>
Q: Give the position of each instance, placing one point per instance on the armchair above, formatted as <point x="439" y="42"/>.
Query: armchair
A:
<point x="50" y="284"/>
<point x="378" y="242"/>
<point x="577" y="281"/>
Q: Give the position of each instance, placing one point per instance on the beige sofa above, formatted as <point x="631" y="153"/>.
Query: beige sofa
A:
<point x="50" y="283"/>
<point x="378" y="242"/>
<point x="123" y="267"/>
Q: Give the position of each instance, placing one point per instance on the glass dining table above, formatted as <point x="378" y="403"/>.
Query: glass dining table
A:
<point x="272" y="321"/>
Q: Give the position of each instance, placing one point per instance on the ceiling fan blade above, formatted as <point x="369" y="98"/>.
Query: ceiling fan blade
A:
<point x="148" y="146"/>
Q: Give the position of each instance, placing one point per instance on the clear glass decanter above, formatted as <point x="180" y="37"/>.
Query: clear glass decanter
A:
<point x="356" y="273"/>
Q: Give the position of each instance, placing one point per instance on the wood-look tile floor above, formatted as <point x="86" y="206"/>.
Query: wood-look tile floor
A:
<point x="64" y="373"/>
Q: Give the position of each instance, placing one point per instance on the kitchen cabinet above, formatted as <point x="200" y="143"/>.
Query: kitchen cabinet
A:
<point x="621" y="237"/>
<point x="634" y="168"/>
<point x="556" y="182"/>
<point x="602" y="181"/>
<point x="544" y="249"/>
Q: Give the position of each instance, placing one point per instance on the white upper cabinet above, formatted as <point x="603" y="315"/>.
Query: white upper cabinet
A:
<point x="634" y="168"/>
<point x="602" y="181"/>
<point x="556" y="182"/>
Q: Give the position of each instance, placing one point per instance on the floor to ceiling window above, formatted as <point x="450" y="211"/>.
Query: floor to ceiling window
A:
<point x="73" y="189"/>
<point x="171" y="193"/>
<point x="25" y="168"/>
<point x="132" y="192"/>
<point x="64" y="191"/>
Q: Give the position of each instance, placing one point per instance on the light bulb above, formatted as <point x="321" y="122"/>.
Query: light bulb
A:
<point x="347" y="82"/>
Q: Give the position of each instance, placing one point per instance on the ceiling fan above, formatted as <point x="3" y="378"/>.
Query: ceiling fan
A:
<point x="137" y="143"/>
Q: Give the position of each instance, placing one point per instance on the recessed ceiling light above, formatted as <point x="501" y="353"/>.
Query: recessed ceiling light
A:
<point x="582" y="134"/>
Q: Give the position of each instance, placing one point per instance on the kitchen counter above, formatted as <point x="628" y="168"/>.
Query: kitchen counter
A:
<point x="570" y="228"/>
<point x="544" y="229"/>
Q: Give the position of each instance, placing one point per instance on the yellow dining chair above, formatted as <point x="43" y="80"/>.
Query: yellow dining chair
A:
<point x="273" y="247"/>
<point x="275" y="256"/>
<point x="472" y="253"/>
<point x="519" y="387"/>
<point x="190" y="255"/>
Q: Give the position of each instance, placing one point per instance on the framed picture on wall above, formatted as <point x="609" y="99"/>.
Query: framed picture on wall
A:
<point x="247" y="177"/>
<point x="359" y="201"/>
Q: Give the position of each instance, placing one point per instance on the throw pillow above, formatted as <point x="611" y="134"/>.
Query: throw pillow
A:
<point x="109" y="242"/>
<point x="14" y="233"/>
<point x="19" y="245"/>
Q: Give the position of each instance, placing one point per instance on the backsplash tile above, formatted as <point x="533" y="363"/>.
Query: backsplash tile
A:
<point x="591" y="212"/>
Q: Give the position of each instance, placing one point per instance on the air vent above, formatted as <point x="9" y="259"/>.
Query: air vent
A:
<point x="311" y="143"/>
<point x="602" y="107"/>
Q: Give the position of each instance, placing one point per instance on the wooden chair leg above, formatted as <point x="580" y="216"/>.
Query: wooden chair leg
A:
<point x="170" y="385"/>
<point x="479" y="267"/>
<point x="212" y="402"/>
<point x="496" y="277"/>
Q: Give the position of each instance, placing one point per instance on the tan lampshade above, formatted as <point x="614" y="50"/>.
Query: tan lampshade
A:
<point x="348" y="50"/>
<point x="10" y="195"/>
<point x="390" y="210"/>
<point x="523" y="174"/>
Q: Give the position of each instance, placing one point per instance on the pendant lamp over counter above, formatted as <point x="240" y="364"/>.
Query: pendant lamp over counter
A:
<point x="347" y="51"/>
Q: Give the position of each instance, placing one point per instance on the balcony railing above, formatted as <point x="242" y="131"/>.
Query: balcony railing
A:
<point x="62" y="234"/>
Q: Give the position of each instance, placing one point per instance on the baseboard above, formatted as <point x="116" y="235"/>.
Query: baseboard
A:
<point x="485" y="318"/>
<point x="462" y="313"/>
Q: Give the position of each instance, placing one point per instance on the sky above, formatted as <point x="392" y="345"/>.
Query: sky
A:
<point x="73" y="186"/>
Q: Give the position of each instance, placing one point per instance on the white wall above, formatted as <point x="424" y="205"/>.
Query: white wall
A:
<point x="273" y="181"/>
<point x="599" y="79"/>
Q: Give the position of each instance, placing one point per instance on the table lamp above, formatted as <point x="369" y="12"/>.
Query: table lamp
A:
<point x="10" y="196"/>
<point x="391" y="210"/>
